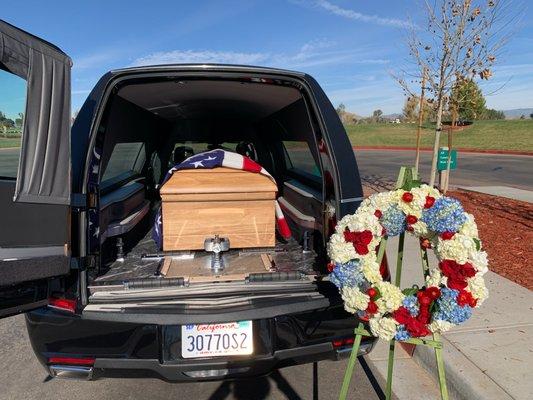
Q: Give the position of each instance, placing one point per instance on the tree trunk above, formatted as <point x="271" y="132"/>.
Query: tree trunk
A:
<point x="438" y="129"/>
<point x="420" y="119"/>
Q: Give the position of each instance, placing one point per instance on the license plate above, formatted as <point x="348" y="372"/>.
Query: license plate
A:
<point x="223" y="339"/>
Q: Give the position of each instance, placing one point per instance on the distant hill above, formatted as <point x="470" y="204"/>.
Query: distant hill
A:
<point x="392" y="116"/>
<point x="517" y="112"/>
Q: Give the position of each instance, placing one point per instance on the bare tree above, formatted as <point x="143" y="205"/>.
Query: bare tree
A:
<point x="461" y="41"/>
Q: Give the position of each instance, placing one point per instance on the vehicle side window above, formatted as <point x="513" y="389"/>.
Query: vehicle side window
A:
<point x="299" y="158"/>
<point x="125" y="158"/>
<point x="12" y="108"/>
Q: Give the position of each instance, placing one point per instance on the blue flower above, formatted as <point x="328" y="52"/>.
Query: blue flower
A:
<point x="411" y="303"/>
<point x="446" y="215"/>
<point x="348" y="274"/>
<point x="393" y="220"/>
<point x="449" y="310"/>
<point x="401" y="333"/>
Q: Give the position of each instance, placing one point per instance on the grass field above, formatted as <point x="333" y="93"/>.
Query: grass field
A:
<point x="484" y="135"/>
<point x="9" y="142"/>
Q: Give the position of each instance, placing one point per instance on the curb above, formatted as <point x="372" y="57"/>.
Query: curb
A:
<point x="461" y="149"/>
<point x="464" y="379"/>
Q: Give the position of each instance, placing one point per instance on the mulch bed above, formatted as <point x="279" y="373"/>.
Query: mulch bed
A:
<point x="506" y="230"/>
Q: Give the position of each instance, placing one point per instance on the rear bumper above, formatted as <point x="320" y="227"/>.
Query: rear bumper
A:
<point x="202" y="370"/>
<point x="130" y="350"/>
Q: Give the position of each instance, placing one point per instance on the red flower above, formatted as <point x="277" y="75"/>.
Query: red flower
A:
<point x="411" y="219"/>
<point x="410" y="228"/>
<point x="383" y="231"/>
<point x="378" y="213"/>
<point x="372" y="308"/>
<point x="465" y="298"/>
<point x="425" y="243"/>
<point x="330" y="267"/>
<point x="456" y="273"/>
<point x="433" y="292"/>
<point x="402" y="315"/>
<point x="429" y="202"/>
<point x="447" y="235"/>
<point x="407" y="197"/>
<point x="372" y="292"/>
<point x="417" y="328"/>
<point x="424" y="299"/>
<point x="360" y="240"/>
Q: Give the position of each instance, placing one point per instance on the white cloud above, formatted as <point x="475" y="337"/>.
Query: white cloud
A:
<point x="357" y="16"/>
<point x="203" y="56"/>
<point x="311" y="54"/>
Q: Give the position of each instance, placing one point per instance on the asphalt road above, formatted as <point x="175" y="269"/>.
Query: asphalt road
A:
<point x="473" y="169"/>
<point x="23" y="378"/>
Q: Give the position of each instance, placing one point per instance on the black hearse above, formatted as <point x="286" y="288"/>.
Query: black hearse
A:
<point x="77" y="205"/>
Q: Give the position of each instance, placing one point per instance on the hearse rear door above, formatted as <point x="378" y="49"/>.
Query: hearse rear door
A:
<point x="35" y="183"/>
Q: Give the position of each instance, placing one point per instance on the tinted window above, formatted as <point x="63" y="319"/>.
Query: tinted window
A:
<point x="299" y="158"/>
<point x="12" y="107"/>
<point x="125" y="158"/>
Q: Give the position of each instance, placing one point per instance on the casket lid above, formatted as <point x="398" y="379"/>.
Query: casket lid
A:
<point x="217" y="180"/>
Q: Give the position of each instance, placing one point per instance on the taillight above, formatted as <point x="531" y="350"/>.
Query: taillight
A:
<point x="62" y="304"/>
<point x="71" y="361"/>
<point x="342" y="342"/>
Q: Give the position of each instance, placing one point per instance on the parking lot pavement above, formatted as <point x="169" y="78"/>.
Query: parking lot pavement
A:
<point x="472" y="168"/>
<point x="22" y="377"/>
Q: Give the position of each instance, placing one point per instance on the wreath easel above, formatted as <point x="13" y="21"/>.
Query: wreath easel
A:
<point x="407" y="180"/>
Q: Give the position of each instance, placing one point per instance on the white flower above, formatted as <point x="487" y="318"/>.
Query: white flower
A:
<point x="359" y="222"/>
<point x="480" y="261"/>
<point x="354" y="299"/>
<point x="416" y="206"/>
<point x="339" y="251"/>
<point x="383" y="327"/>
<point x="469" y="228"/>
<point x="420" y="229"/>
<point x="435" y="278"/>
<point x="440" y="326"/>
<point x="459" y="248"/>
<point x="391" y="297"/>
<point x="370" y="268"/>
<point x="476" y="286"/>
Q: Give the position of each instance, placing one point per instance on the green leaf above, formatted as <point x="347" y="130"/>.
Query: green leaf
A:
<point x="478" y="243"/>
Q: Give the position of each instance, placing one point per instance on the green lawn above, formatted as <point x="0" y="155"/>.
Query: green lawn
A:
<point x="495" y="135"/>
<point x="9" y="142"/>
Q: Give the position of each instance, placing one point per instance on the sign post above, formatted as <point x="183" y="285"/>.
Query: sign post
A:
<point x="442" y="165"/>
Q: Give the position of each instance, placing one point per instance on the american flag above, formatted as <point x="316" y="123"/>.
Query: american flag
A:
<point x="220" y="158"/>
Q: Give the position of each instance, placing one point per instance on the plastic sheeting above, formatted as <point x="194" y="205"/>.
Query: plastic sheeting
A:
<point x="44" y="165"/>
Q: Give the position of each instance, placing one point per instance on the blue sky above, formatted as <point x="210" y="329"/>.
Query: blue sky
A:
<point x="350" y="47"/>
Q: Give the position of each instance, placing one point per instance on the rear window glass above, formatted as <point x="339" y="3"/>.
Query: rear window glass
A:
<point x="125" y="158"/>
<point x="300" y="159"/>
<point x="12" y="108"/>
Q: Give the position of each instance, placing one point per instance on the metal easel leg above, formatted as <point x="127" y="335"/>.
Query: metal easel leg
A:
<point x="390" y="367"/>
<point x="351" y="364"/>
<point x="440" y="369"/>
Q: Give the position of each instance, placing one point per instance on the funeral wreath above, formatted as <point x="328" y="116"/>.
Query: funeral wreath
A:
<point x="453" y="288"/>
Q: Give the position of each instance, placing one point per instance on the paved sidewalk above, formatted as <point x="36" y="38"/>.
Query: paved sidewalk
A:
<point x="503" y="191"/>
<point x="491" y="355"/>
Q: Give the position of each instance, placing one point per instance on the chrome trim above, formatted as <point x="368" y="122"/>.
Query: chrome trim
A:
<point x="71" y="372"/>
<point x="352" y="200"/>
<point x="345" y="352"/>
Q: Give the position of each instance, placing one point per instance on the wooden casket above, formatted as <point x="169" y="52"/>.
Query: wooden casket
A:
<point x="201" y="203"/>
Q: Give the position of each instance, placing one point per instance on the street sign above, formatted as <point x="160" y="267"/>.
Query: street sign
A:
<point x="443" y="159"/>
